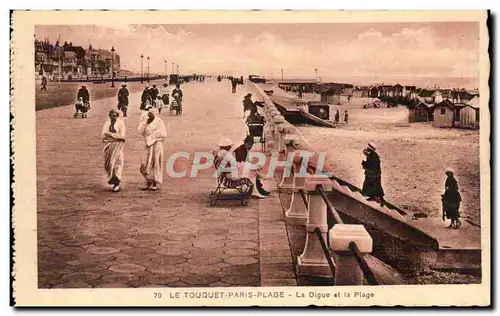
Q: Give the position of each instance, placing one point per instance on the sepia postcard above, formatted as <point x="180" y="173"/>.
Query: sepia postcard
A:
<point x="251" y="158"/>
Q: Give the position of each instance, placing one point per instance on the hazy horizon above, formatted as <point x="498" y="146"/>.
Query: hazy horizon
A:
<point x="385" y="51"/>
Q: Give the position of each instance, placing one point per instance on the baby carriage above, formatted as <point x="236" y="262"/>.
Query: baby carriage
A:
<point x="81" y="108"/>
<point x="176" y="106"/>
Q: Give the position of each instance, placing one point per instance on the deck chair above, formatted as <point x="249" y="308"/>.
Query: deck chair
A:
<point x="239" y="189"/>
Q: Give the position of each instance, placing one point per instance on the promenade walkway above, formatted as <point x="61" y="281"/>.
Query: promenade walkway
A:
<point x="91" y="237"/>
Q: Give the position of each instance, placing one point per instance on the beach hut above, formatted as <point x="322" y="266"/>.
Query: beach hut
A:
<point x="422" y="112"/>
<point x="331" y="96"/>
<point x="444" y="114"/>
<point x="467" y="114"/>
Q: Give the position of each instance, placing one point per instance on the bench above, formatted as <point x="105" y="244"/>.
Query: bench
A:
<point x="241" y="188"/>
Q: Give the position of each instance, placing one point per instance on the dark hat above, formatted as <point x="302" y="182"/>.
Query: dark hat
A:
<point x="248" y="95"/>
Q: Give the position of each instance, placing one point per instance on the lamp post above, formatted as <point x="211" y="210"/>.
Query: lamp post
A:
<point x="315" y="84"/>
<point x="142" y="72"/>
<point x="148" y="69"/>
<point x="165" y="70"/>
<point x="281" y="73"/>
<point x="58" y="63"/>
<point x="112" y="66"/>
<point x="177" y="66"/>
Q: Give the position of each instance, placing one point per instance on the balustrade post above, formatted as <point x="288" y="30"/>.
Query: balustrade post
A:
<point x="312" y="261"/>
<point x="275" y="135"/>
<point x="347" y="270"/>
<point x="286" y="184"/>
<point x="297" y="213"/>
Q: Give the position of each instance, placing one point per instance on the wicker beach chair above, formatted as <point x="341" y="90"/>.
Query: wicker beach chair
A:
<point x="233" y="189"/>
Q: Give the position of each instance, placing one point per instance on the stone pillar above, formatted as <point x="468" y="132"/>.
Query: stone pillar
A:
<point x="286" y="183"/>
<point x="297" y="213"/>
<point x="347" y="270"/>
<point x="275" y="135"/>
<point x="312" y="261"/>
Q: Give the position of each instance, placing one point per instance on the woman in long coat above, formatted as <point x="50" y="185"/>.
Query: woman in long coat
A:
<point x="372" y="186"/>
<point x="451" y="200"/>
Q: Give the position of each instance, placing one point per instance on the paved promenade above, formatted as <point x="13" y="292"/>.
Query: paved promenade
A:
<point x="91" y="237"/>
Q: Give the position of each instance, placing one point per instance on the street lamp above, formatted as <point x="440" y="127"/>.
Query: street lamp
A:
<point x="142" y="72"/>
<point x="165" y="70"/>
<point x="58" y="63"/>
<point x="148" y="69"/>
<point x="281" y="73"/>
<point x="177" y="66"/>
<point x="315" y="84"/>
<point x="112" y="66"/>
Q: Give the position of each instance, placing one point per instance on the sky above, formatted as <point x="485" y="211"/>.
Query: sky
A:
<point x="383" y="50"/>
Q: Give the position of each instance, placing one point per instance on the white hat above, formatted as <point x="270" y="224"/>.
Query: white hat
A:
<point x="372" y="146"/>
<point x="225" y="142"/>
<point x="449" y="169"/>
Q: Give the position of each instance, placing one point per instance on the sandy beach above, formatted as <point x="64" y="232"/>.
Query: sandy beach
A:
<point x="414" y="156"/>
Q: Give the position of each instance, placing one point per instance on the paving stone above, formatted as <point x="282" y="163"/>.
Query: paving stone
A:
<point x="165" y="269"/>
<point x="72" y="285"/>
<point x="209" y="238"/>
<point x="279" y="282"/>
<point x="247" y="280"/>
<point x="127" y="268"/>
<point x="204" y="260"/>
<point x="213" y="269"/>
<point x="209" y="244"/>
<point x="241" y="237"/>
<point x="88" y="267"/>
<point x="241" y="252"/>
<point x="171" y="251"/>
<point x="203" y="252"/>
<point x="204" y="279"/>
<point x="117" y="278"/>
<point x="180" y="237"/>
<point x="78" y="242"/>
<point x="80" y="276"/>
<point x="218" y="284"/>
<point x="281" y="260"/>
<point x="176" y="244"/>
<point x="160" y="279"/>
<point x="241" y="260"/>
<point x="102" y="250"/>
<point x="241" y="245"/>
<point x="112" y="285"/>
<point x="249" y="269"/>
<point x="169" y="260"/>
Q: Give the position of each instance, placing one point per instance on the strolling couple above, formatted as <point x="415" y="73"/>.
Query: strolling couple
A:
<point x="153" y="131"/>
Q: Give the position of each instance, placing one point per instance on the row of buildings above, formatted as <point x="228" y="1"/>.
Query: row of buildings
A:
<point x="69" y="61"/>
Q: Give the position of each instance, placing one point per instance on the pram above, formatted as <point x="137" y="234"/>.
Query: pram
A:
<point x="175" y="106"/>
<point x="256" y="130"/>
<point x="81" y="108"/>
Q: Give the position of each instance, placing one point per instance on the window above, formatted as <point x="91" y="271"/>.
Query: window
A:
<point x="443" y="111"/>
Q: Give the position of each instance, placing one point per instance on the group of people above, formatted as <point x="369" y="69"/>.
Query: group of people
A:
<point x="237" y="160"/>
<point x="153" y="130"/>
<point x="372" y="186"/>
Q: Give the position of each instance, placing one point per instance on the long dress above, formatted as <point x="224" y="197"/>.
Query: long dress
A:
<point x="152" y="161"/>
<point x="113" y="150"/>
<point x="372" y="186"/>
<point x="451" y="198"/>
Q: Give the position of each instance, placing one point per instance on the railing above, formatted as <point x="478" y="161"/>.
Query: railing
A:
<point x="310" y="206"/>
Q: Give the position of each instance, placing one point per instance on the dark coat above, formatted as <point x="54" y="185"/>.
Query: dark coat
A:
<point x="451" y="198"/>
<point x="372" y="186"/>
<point x="154" y="93"/>
<point x="248" y="105"/>
<point x="123" y="96"/>
<point x="337" y="116"/>
<point x="146" y="95"/>
<point x="84" y="94"/>
<point x="241" y="153"/>
<point x="179" y="92"/>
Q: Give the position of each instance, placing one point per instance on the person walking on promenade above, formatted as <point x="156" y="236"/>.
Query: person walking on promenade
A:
<point x="248" y="105"/>
<point x="346" y="118"/>
<point x="154" y="95"/>
<point x="451" y="199"/>
<point x="154" y="132"/>
<point x="164" y="95"/>
<point x="44" y="84"/>
<point x="234" y="83"/>
<point x="123" y="99"/>
<point x="145" y="98"/>
<point x="84" y="94"/>
<point x="337" y="117"/>
<point x="113" y="137"/>
<point x="372" y="186"/>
